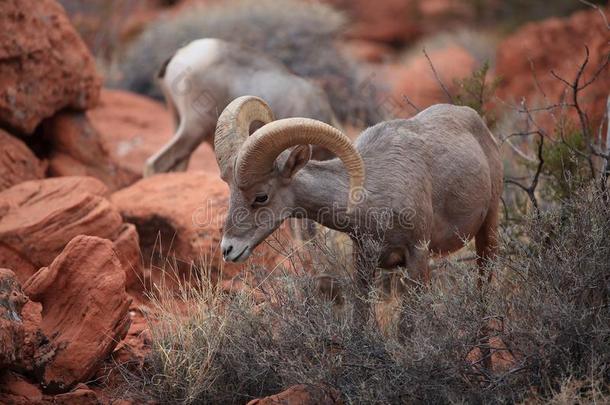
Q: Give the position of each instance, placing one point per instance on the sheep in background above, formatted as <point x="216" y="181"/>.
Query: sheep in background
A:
<point x="202" y="78"/>
<point x="303" y="36"/>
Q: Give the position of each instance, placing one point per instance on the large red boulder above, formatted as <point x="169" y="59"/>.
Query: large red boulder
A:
<point x="12" y="332"/>
<point x="76" y="148"/>
<point x="134" y="128"/>
<point x="179" y="217"/>
<point x="39" y="217"/>
<point x="22" y="346"/>
<point x="400" y="21"/>
<point x="526" y="58"/>
<point x="415" y="79"/>
<point x="84" y="309"/>
<point x="44" y="65"/>
<point x="17" y="390"/>
<point x="112" y="141"/>
<point x="17" y="162"/>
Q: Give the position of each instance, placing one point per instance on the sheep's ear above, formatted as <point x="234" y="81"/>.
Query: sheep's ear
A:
<point x="299" y="156"/>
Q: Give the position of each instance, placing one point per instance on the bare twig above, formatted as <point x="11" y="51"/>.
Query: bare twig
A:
<point x="411" y="104"/>
<point x="598" y="8"/>
<point x="604" y="170"/>
<point x="438" y="79"/>
<point x="575" y="86"/>
<point x="599" y="70"/>
<point x="519" y="152"/>
<point x="531" y="189"/>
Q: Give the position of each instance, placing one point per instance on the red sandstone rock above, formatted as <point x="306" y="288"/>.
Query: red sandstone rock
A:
<point x="133" y="350"/>
<point x="180" y="215"/>
<point x="368" y="51"/>
<point x="400" y="21"/>
<point x="81" y="395"/>
<point x="85" y="309"/>
<point x="22" y="345"/>
<point x="415" y="79"/>
<point x="127" y="247"/>
<point x="384" y="21"/>
<point x="559" y="45"/>
<point x="135" y="127"/>
<point x="78" y="149"/>
<point x="17" y="390"/>
<point x="44" y="65"/>
<point x="12" y="331"/>
<point x="17" y="162"/>
<point x="41" y="216"/>
<point x="38" y="218"/>
<point x="301" y="395"/>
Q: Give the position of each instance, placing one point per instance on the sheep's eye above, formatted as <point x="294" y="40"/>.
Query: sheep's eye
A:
<point x="261" y="199"/>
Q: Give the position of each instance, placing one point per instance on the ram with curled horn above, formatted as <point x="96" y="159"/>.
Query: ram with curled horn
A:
<point x="438" y="176"/>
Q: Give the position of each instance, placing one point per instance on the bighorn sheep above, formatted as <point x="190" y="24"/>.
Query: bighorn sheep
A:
<point x="202" y="78"/>
<point x="438" y="175"/>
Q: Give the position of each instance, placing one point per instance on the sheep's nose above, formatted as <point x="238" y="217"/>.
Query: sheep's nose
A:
<point x="226" y="250"/>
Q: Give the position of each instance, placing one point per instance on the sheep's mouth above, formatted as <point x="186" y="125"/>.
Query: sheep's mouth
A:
<point x="241" y="255"/>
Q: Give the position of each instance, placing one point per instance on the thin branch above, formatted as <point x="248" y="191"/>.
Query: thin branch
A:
<point x="519" y="152"/>
<point x="438" y="79"/>
<point x="582" y="116"/>
<point x="539" y="168"/>
<point x="531" y="189"/>
<point x="599" y="70"/>
<point x="411" y="104"/>
<point x="605" y="172"/>
<point x="564" y="81"/>
<point x="598" y="8"/>
<point x="539" y="86"/>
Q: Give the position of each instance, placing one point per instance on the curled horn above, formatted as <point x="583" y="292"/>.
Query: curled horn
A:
<point x="258" y="153"/>
<point x="233" y="128"/>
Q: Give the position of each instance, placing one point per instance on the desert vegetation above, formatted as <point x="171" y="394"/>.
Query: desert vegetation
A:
<point x="113" y="288"/>
<point x="538" y="328"/>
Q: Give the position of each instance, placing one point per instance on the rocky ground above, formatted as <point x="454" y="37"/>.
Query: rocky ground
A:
<point x="83" y="237"/>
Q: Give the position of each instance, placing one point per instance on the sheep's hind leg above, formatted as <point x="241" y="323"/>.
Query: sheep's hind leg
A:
<point x="416" y="262"/>
<point x="175" y="155"/>
<point x="363" y="277"/>
<point x="486" y="242"/>
<point x="410" y="272"/>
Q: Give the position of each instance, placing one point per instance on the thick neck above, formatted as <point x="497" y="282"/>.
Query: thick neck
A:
<point x="321" y="191"/>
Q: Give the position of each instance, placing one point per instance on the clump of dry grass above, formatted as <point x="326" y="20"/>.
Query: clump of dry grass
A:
<point x="301" y="35"/>
<point x="548" y="305"/>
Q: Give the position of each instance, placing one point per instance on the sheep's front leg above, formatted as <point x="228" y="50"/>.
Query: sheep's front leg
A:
<point x="363" y="277"/>
<point x="404" y="270"/>
<point x="175" y="155"/>
<point x="417" y="258"/>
